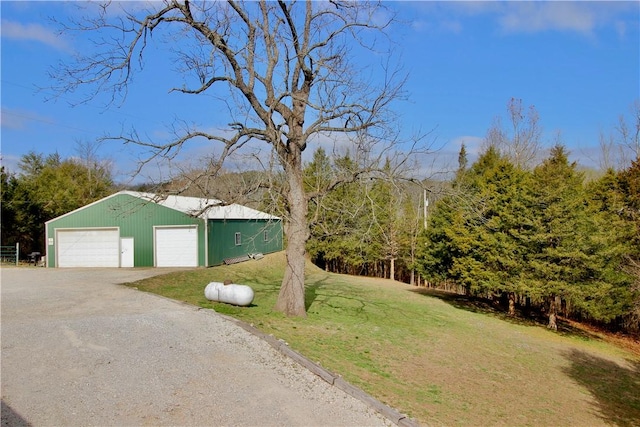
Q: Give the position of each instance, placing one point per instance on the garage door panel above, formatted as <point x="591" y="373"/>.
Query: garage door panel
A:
<point x="176" y="246"/>
<point x="88" y="248"/>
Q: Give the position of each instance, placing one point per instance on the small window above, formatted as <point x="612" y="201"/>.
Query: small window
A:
<point x="238" y="239"/>
<point x="266" y="236"/>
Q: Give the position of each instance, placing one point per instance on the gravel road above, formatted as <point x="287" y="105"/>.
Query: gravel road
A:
<point x="79" y="350"/>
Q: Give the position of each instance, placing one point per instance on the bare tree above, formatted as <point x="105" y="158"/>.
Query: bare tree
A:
<point x="608" y="154"/>
<point x="632" y="320"/>
<point x="629" y="134"/>
<point x="99" y="170"/>
<point x="621" y="146"/>
<point x="284" y="73"/>
<point x="521" y="140"/>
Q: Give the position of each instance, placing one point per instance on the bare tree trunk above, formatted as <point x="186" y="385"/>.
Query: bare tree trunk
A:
<point x="392" y="269"/>
<point x="552" y="314"/>
<point x="291" y="297"/>
<point x="512" y="304"/>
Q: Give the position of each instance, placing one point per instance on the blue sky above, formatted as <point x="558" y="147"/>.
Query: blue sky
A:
<point x="577" y="62"/>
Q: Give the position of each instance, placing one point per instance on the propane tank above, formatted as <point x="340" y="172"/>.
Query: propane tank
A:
<point x="232" y="293"/>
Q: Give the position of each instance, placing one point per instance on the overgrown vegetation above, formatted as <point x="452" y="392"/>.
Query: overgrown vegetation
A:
<point x="440" y="357"/>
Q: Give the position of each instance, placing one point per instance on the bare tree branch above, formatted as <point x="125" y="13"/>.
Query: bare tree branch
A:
<point x="283" y="70"/>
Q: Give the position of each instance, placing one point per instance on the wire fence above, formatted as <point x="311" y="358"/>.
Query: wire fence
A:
<point x="9" y="254"/>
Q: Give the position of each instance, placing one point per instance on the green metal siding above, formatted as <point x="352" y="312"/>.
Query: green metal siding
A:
<point x="135" y="218"/>
<point x="222" y="242"/>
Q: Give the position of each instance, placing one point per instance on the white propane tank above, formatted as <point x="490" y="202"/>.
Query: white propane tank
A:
<point x="241" y="295"/>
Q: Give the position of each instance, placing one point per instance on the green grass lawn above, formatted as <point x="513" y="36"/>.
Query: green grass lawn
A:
<point x="435" y="357"/>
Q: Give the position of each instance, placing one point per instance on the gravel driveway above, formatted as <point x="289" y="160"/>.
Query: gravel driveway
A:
<point x="79" y="350"/>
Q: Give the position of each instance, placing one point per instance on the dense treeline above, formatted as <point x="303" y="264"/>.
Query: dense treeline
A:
<point x="46" y="187"/>
<point x="365" y="225"/>
<point x="542" y="239"/>
<point x="534" y="235"/>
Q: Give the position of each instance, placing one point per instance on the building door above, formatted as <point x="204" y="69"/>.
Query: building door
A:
<point x="176" y="246"/>
<point x="86" y="247"/>
<point x="126" y="252"/>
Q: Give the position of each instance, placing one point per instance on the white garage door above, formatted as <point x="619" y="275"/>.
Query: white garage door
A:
<point x="176" y="246"/>
<point x="88" y="247"/>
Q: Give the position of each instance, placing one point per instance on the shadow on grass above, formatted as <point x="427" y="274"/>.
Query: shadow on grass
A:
<point x="270" y="287"/>
<point x="463" y="302"/>
<point x="493" y="308"/>
<point x="311" y="292"/>
<point x="615" y="388"/>
<point x="326" y="294"/>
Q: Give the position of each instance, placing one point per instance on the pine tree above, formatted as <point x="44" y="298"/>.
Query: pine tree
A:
<point x="473" y="239"/>
<point x="629" y="190"/>
<point x="339" y="218"/>
<point x="572" y="253"/>
<point x="462" y="159"/>
<point x="492" y="260"/>
<point x="8" y="226"/>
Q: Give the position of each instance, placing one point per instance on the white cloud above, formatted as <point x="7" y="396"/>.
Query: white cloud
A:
<point x="18" y="119"/>
<point x="542" y="16"/>
<point x="443" y="163"/>
<point x="583" y="17"/>
<point x="10" y="163"/>
<point x="621" y="29"/>
<point x="473" y="144"/>
<point x="33" y="32"/>
<point x="451" y="26"/>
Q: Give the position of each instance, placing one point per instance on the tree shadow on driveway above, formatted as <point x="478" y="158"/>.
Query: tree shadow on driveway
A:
<point x="12" y="418"/>
<point x="615" y="388"/>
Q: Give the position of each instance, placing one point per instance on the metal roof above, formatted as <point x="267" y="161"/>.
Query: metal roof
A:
<point x="202" y="207"/>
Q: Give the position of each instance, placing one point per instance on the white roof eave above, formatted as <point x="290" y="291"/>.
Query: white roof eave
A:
<point x="204" y="208"/>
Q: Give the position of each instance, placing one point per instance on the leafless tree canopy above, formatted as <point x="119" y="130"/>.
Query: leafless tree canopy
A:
<point x="285" y="73"/>
<point x="284" y="67"/>
<point x="621" y="146"/>
<point x="520" y="139"/>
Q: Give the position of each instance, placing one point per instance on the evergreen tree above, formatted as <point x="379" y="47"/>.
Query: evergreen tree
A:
<point x="337" y="238"/>
<point x="436" y="249"/>
<point x="572" y="253"/>
<point x="474" y="239"/>
<point x="629" y="187"/>
<point x="557" y="241"/>
<point x="611" y="241"/>
<point x="491" y="253"/>
<point x="9" y="231"/>
<point x="462" y="159"/>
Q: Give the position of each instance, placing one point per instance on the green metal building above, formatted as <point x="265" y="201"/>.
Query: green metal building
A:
<point x="131" y="229"/>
